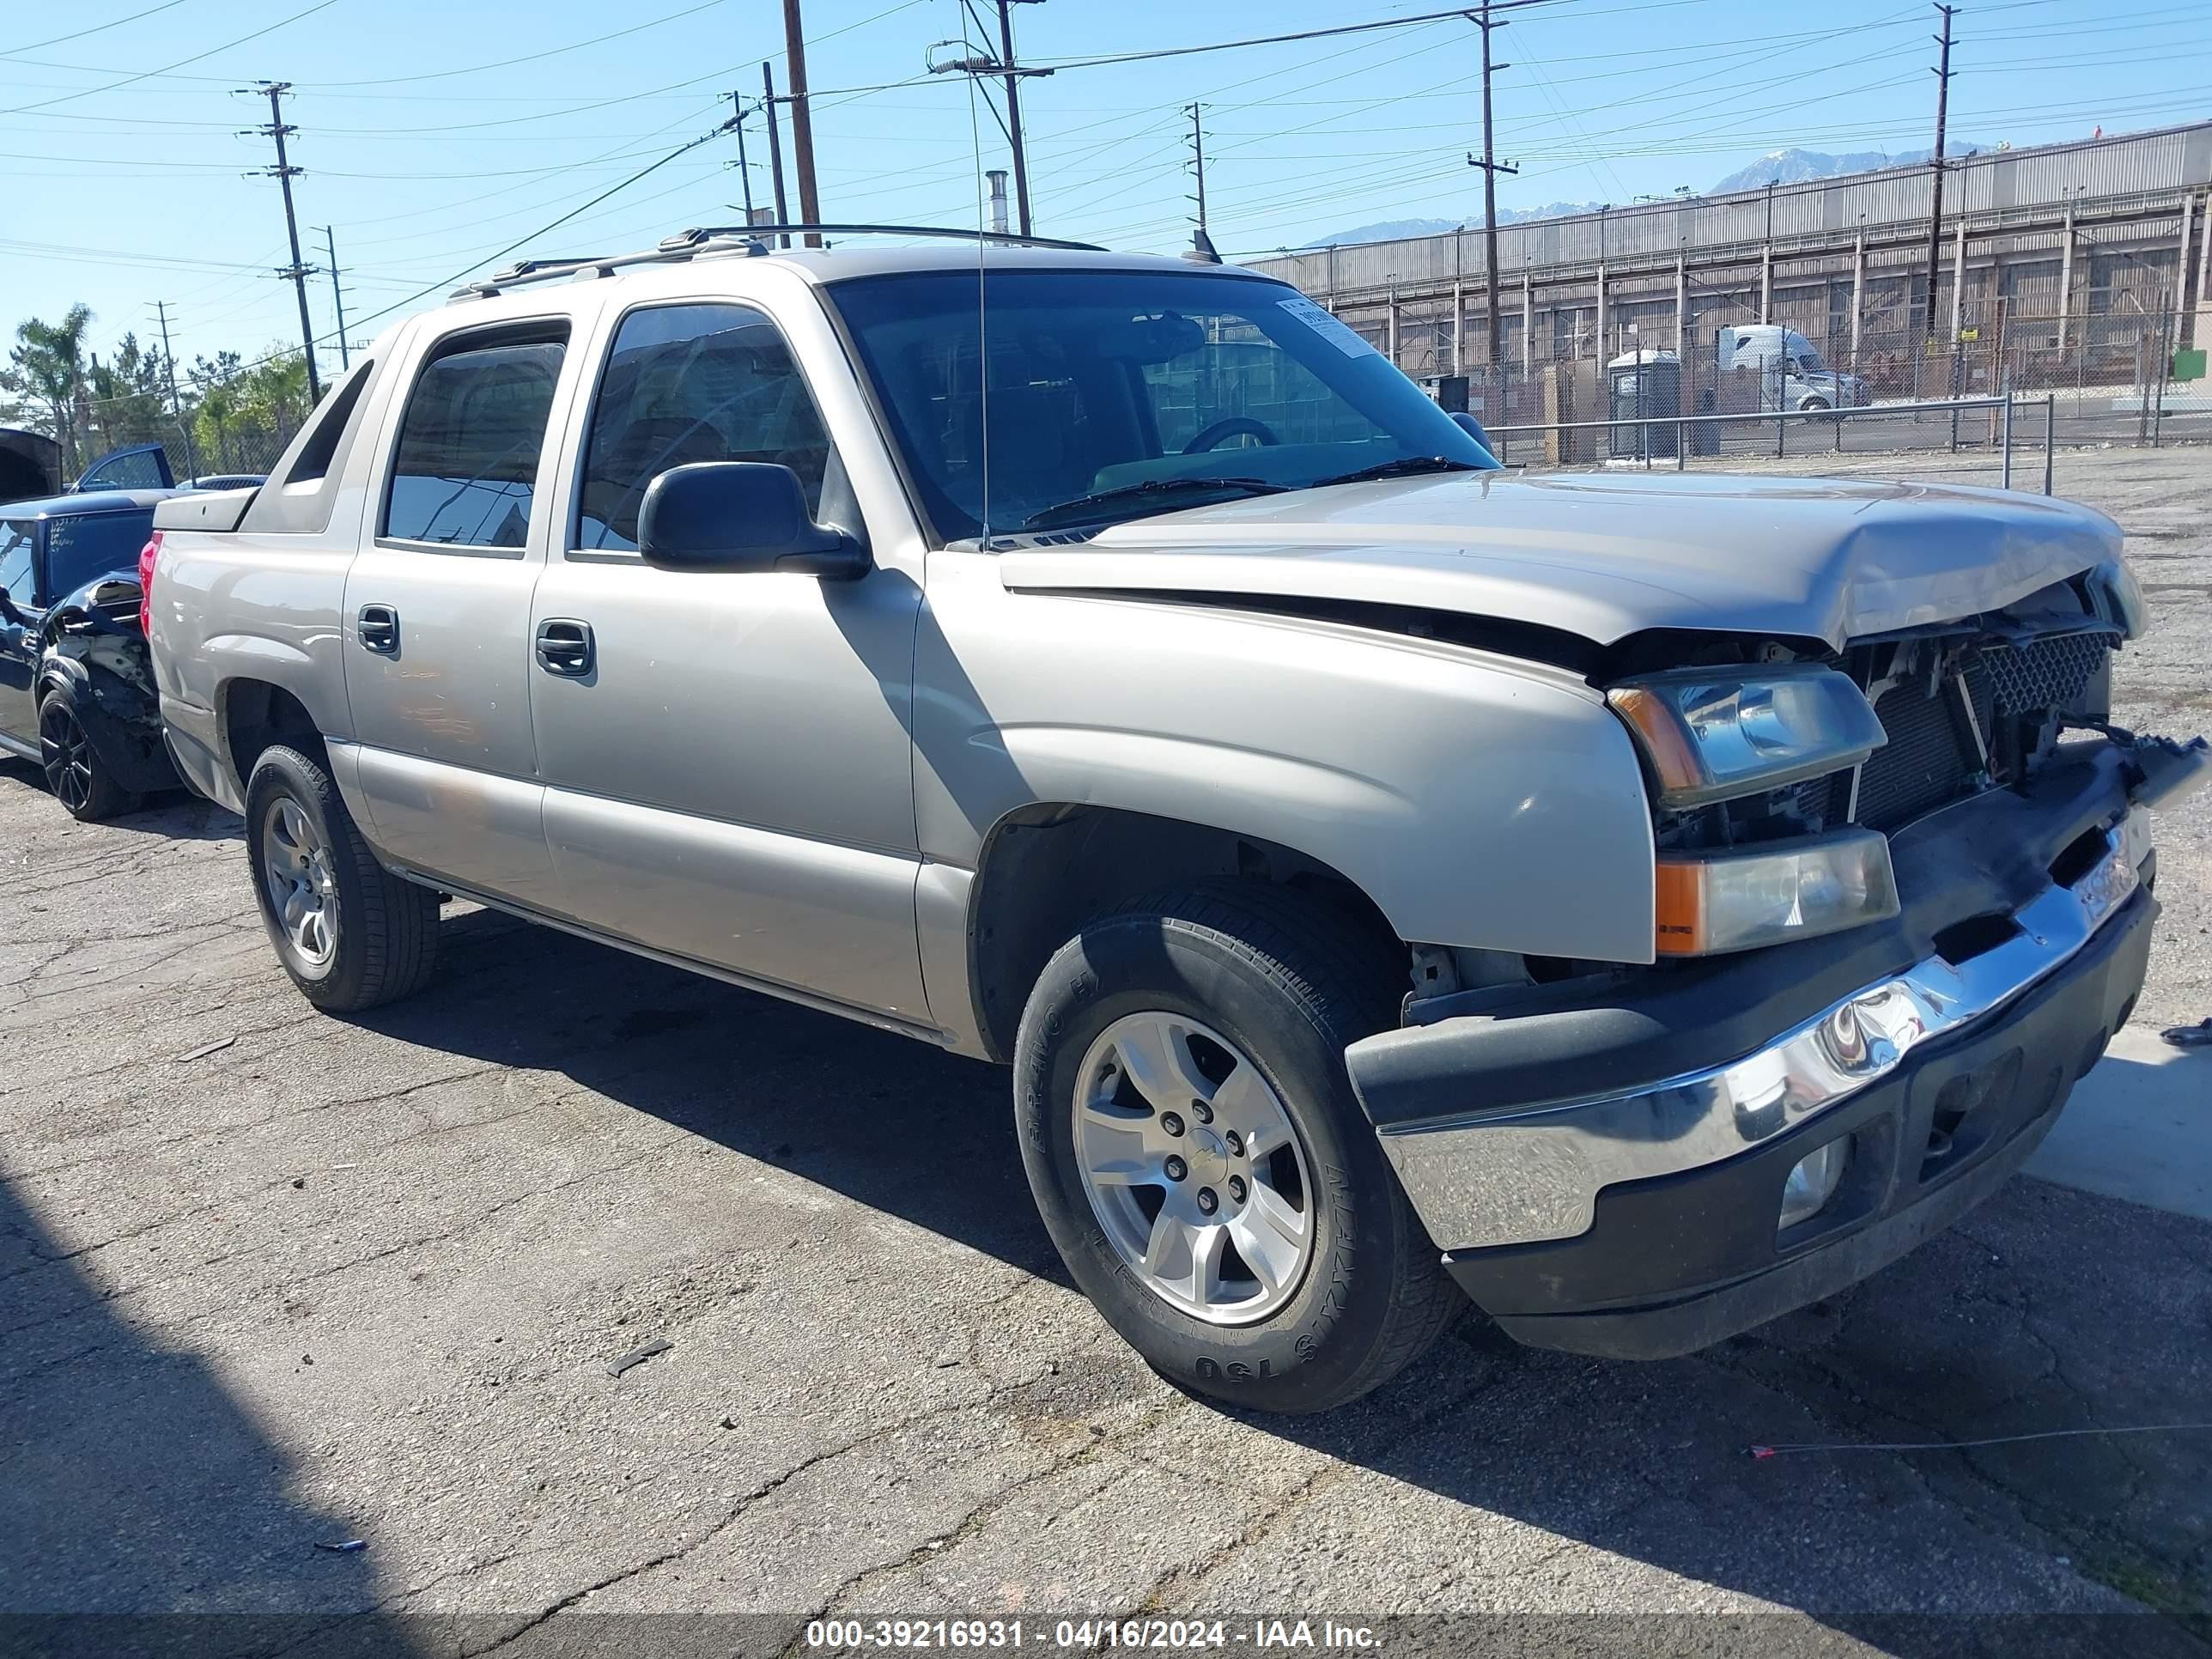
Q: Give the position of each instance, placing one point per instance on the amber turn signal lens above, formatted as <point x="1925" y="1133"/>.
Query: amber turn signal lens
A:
<point x="1780" y="890"/>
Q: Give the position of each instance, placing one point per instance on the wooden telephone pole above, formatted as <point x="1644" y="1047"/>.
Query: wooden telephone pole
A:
<point x="1935" y="212"/>
<point x="802" y="122"/>
<point x="297" y="271"/>
<point x="1492" y="167"/>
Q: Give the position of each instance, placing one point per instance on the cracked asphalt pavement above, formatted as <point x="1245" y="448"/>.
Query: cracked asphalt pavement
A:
<point x="272" y="1281"/>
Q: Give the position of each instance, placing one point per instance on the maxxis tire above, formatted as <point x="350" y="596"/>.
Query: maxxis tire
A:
<point x="386" y="931"/>
<point x="104" y="797"/>
<point x="1290" y="984"/>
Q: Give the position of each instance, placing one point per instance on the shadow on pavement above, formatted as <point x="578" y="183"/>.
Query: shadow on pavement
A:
<point x="171" y="814"/>
<point x="142" y="1511"/>
<point x="2047" y="1309"/>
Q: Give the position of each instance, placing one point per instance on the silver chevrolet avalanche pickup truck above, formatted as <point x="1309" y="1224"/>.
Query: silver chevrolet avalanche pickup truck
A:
<point x="1640" y="906"/>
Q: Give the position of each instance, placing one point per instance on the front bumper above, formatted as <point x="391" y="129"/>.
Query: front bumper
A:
<point x="1604" y="1162"/>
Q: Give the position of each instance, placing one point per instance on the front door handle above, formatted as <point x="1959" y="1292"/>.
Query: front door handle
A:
<point x="565" y="647"/>
<point x="377" y="627"/>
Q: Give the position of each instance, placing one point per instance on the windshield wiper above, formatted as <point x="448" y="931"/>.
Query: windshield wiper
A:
<point x="1404" y="467"/>
<point x="1059" y="510"/>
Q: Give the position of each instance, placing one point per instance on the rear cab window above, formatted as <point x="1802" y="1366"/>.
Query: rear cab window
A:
<point x="472" y="437"/>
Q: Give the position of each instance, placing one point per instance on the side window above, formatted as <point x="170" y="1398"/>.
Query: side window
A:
<point x="17" y="537"/>
<point x="88" y="546"/>
<point x="470" y="442"/>
<point x="692" y="383"/>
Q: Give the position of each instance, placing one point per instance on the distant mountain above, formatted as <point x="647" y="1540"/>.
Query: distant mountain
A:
<point x="1391" y="230"/>
<point x="1797" y="166"/>
<point x="1787" y="166"/>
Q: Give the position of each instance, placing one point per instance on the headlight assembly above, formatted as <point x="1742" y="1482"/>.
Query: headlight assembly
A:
<point x="1715" y="734"/>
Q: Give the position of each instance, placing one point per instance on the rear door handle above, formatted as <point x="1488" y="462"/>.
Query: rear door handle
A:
<point x="565" y="647"/>
<point x="377" y="627"/>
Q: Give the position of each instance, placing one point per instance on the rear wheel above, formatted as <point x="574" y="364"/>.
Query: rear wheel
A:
<point x="73" y="768"/>
<point x="1199" y="1157"/>
<point x="350" y="934"/>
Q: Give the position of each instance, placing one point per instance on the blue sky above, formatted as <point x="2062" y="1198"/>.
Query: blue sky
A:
<point x="119" y="188"/>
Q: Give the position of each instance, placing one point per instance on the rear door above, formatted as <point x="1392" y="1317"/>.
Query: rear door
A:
<point x="19" y="636"/>
<point x="436" y="619"/>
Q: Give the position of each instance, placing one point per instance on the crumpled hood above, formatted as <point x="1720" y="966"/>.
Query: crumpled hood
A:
<point x="1605" y="556"/>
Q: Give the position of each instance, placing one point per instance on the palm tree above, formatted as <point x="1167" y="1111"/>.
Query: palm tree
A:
<point x="46" y="366"/>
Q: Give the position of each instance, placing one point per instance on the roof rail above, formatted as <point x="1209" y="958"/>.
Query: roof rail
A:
<point x="704" y="239"/>
<point x="1014" y="239"/>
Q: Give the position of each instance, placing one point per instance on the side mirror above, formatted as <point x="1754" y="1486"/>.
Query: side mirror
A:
<point x="741" y="516"/>
<point x="1473" y="428"/>
<point x="8" y="611"/>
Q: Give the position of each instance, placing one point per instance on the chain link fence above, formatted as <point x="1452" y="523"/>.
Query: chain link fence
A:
<point x="2104" y="377"/>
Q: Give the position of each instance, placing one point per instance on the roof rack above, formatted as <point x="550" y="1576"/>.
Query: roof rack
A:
<point x="704" y="239"/>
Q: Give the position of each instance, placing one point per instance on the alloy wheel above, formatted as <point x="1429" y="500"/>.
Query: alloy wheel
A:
<point x="303" y="895"/>
<point x="66" y="755"/>
<point x="1193" y="1168"/>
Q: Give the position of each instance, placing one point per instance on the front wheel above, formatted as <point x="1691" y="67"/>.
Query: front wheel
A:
<point x="1194" y="1146"/>
<point x="81" y="782"/>
<point x="350" y="934"/>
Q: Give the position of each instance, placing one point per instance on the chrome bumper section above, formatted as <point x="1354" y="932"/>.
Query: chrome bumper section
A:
<point x="1527" y="1174"/>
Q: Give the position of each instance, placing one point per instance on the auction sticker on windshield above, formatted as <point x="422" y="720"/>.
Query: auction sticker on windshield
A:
<point x="1338" y="334"/>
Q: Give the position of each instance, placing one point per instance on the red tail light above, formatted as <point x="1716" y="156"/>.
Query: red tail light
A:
<point x="149" y="556"/>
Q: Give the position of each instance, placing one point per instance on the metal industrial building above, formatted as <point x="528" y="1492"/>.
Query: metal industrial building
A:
<point x="2064" y="264"/>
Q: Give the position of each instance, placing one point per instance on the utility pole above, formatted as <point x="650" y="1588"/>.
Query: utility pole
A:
<point x="1014" y="119"/>
<point x="1492" y="167"/>
<point x="1204" y="242"/>
<point x="169" y="361"/>
<point x="802" y="122"/>
<point x="338" y="297"/>
<point x="176" y="403"/>
<point x="774" y="146"/>
<point x="745" y="171"/>
<point x="1935" y="210"/>
<point x="285" y="173"/>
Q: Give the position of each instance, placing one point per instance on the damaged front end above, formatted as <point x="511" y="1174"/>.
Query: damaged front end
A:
<point x="96" y="656"/>
<point x="1904" y="899"/>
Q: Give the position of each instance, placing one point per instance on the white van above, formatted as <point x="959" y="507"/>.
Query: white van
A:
<point x="1790" y="373"/>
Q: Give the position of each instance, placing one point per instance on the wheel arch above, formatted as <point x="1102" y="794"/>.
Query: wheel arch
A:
<point x="1047" y="868"/>
<point x="253" y="715"/>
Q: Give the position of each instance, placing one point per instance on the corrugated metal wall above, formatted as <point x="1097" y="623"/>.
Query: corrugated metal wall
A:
<point x="1830" y="210"/>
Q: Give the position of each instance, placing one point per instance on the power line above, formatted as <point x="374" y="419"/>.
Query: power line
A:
<point x="1055" y="64"/>
<point x="148" y="74"/>
<point x="97" y="29"/>
<point x="555" y="224"/>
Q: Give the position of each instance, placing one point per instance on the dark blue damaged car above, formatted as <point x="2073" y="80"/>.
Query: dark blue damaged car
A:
<point x="76" y="690"/>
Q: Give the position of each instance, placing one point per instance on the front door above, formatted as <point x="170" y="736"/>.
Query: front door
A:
<point x="728" y="768"/>
<point x="142" y="466"/>
<point x="19" y="634"/>
<point x="436" y="621"/>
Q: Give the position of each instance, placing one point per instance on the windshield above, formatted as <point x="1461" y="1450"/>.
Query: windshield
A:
<point x="1808" y="362"/>
<point x="92" y="545"/>
<point x="1126" y="385"/>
